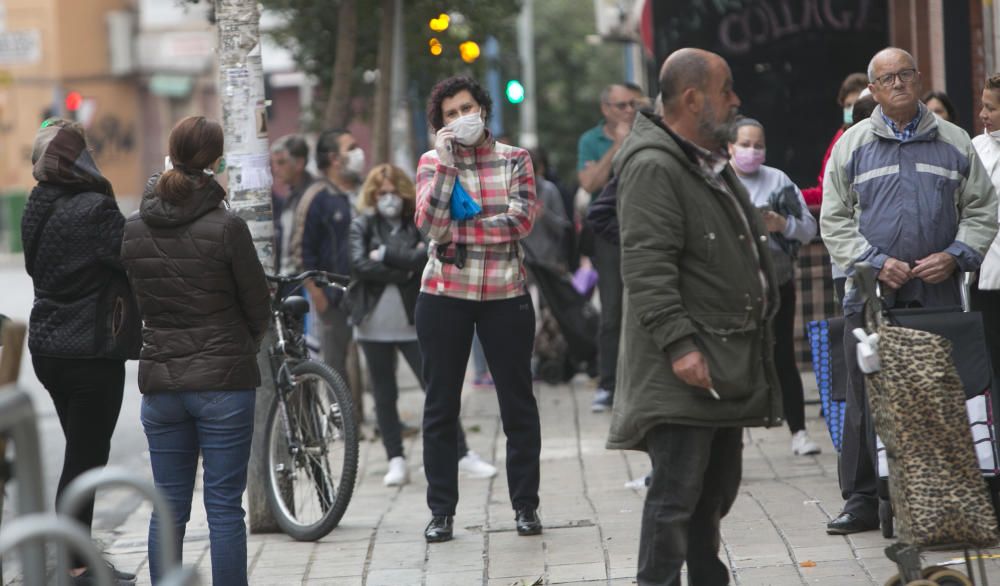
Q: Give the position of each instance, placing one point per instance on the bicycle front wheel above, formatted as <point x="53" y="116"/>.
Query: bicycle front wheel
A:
<point x="312" y="452"/>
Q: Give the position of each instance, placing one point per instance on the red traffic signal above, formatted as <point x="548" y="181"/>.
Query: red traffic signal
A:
<point x="73" y="101"/>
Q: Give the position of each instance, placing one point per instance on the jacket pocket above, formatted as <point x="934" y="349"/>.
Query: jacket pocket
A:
<point x="734" y="362"/>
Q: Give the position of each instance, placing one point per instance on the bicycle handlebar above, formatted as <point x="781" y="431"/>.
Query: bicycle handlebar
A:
<point x="321" y="278"/>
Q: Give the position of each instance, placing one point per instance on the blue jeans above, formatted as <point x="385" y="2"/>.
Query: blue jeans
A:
<point x="219" y="425"/>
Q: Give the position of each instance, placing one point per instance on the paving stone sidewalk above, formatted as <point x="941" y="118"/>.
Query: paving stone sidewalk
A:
<point x="773" y="536"/>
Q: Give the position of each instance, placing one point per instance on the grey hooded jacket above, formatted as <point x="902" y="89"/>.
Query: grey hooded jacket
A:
<point x="884" y="198"/>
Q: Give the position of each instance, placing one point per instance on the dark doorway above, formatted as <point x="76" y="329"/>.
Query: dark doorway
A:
<point x="788" y="59"/>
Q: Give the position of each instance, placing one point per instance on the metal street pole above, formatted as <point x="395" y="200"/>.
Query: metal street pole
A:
<point x="526" y="51"/>
<point x="244" y="120"/>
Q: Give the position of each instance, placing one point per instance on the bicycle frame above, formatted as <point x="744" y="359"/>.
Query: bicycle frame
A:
<point x="290" y="347"/>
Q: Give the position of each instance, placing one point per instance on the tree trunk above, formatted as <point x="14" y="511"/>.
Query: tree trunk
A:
<point x="244" y="119"/>
<point x="337" y="113"/>
<point x="383" y="89"/>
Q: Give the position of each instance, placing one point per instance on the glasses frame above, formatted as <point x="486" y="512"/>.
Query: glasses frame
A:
<point x="889" y="79"/>
<point x="622" y="106"/>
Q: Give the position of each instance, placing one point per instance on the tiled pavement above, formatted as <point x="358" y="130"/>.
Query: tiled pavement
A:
<point x="774" y="534"/>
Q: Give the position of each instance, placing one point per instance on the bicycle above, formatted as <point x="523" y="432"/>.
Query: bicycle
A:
<point x="311" y="435"/>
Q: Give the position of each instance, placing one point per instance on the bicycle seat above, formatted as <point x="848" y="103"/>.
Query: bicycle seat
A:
<point x="295" y="305"/>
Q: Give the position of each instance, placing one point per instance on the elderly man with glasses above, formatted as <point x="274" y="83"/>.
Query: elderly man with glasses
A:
<point x="596" y="149"/>
<point x="904" y="192"/>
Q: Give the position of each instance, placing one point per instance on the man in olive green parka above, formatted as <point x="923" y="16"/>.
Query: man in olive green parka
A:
<point x="695" y="365"/>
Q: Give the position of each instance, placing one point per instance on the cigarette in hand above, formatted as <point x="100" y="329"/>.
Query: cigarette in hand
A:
<point x="714" y="394"/>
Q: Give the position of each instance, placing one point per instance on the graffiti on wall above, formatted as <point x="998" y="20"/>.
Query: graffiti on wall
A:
<point x="743" y="24"/>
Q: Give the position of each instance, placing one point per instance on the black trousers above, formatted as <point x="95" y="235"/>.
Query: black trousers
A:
<point x="381" y="358"/>
<point x="507" y="331"/>
<point x="784" y="359"/>
<point x="87" y="394"/>
<point x="695" y="479"/>
<point x="988" y="303"/>
<point x="858" y="471"/>
<point x="608" y="262"/>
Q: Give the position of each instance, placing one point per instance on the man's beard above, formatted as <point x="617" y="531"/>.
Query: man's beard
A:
<point x="715" y="132"/>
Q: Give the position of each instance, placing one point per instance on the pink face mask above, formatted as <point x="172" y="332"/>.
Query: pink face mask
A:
<point x="748" y="159"/>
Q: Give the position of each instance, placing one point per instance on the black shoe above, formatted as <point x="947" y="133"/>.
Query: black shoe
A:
<point x="439" y="529"/>
<point x="847" y="523"/>
<point x="528" y="522"/>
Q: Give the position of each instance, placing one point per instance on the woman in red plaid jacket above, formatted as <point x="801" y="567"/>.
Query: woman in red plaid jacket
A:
<point x="475" y="202"/>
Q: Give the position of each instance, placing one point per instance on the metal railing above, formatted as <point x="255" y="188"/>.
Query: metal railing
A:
<point x="85" y="487"/>
<point x="17" y="424"/>
<point x="34" y="526"/>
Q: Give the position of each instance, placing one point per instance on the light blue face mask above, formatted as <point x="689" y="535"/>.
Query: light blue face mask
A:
<point x="221" y="168"/>
<point x="849" y="115"/>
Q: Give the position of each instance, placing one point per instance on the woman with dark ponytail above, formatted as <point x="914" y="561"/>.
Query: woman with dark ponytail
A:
<point x="204" y="303"/>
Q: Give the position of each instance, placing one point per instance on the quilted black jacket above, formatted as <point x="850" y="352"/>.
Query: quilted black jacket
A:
<point x="77" y="253"/>
<point x="71" y="232"/>
<point x="201" y="291"/>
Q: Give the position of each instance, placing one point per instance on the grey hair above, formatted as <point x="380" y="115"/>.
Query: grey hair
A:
<point x="606" y="92"/>
<point x="734" y="128"/>
<point x="293" y="144"/>
<point x="871" y="64"/>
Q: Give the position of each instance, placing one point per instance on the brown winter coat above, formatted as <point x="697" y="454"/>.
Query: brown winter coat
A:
<point x="201" y="291"/>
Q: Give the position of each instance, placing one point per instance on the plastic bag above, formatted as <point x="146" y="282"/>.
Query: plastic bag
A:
<point x="463" y="207"/>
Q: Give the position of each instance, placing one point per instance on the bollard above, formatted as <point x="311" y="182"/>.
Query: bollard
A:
<point x="17" y="423"/>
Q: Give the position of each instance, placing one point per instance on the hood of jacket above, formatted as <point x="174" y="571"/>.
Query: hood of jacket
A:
<point x="649" y="132"/>
<point x="204" y="196"/>
<point x="60" y="157"/>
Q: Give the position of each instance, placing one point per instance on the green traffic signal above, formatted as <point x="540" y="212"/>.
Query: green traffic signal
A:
<point x="515" y="92"/>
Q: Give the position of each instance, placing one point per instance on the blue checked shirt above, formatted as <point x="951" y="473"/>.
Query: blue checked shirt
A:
<point x="907" y="132"/>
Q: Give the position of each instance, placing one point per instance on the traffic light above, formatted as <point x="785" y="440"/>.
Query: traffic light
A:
<point x="469" y="51"/>
<point x="514" y="92"/>
<point x="73" y="101"/>
<point x="435" y="46"/>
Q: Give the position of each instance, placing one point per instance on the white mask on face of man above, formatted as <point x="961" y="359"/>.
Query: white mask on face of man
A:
<point x="355" y="162"/>
<point x="468" y="129"/>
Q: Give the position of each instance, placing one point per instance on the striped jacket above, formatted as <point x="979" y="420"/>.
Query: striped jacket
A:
<point x="501" y="180"/>
<point x="907" y="199"/>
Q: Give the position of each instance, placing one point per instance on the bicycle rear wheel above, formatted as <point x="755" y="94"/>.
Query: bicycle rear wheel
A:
<point x="312" y="452"/>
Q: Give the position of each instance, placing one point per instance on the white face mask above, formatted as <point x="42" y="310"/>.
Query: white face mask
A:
<point x="389" y="205"/>
<point x="355" y="162"/>
<point x="995" y="135"/>
<point x="468" y="129"/>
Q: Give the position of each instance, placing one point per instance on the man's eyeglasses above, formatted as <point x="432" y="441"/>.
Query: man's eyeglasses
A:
<point x="889" y="79"/>
<point x="623" y="106"/>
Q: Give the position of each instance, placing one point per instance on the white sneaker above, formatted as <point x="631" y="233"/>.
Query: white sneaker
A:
<point x="398" y="474"/>
<point x="602" y="401"/>
<point x="475" y="467"/>
<point x="802" y="445"/>
<point x="638" y="483"/>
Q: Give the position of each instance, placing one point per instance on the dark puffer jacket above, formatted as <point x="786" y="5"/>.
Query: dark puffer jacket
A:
<point x="201" y="291"/>
<point x="75" y="257"/>
<point x="403" y="263"/>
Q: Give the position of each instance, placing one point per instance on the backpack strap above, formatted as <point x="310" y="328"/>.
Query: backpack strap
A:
<point x="299" y="224"/>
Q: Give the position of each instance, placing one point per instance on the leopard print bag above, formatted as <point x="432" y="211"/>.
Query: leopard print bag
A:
<point x="918" y="406"/>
